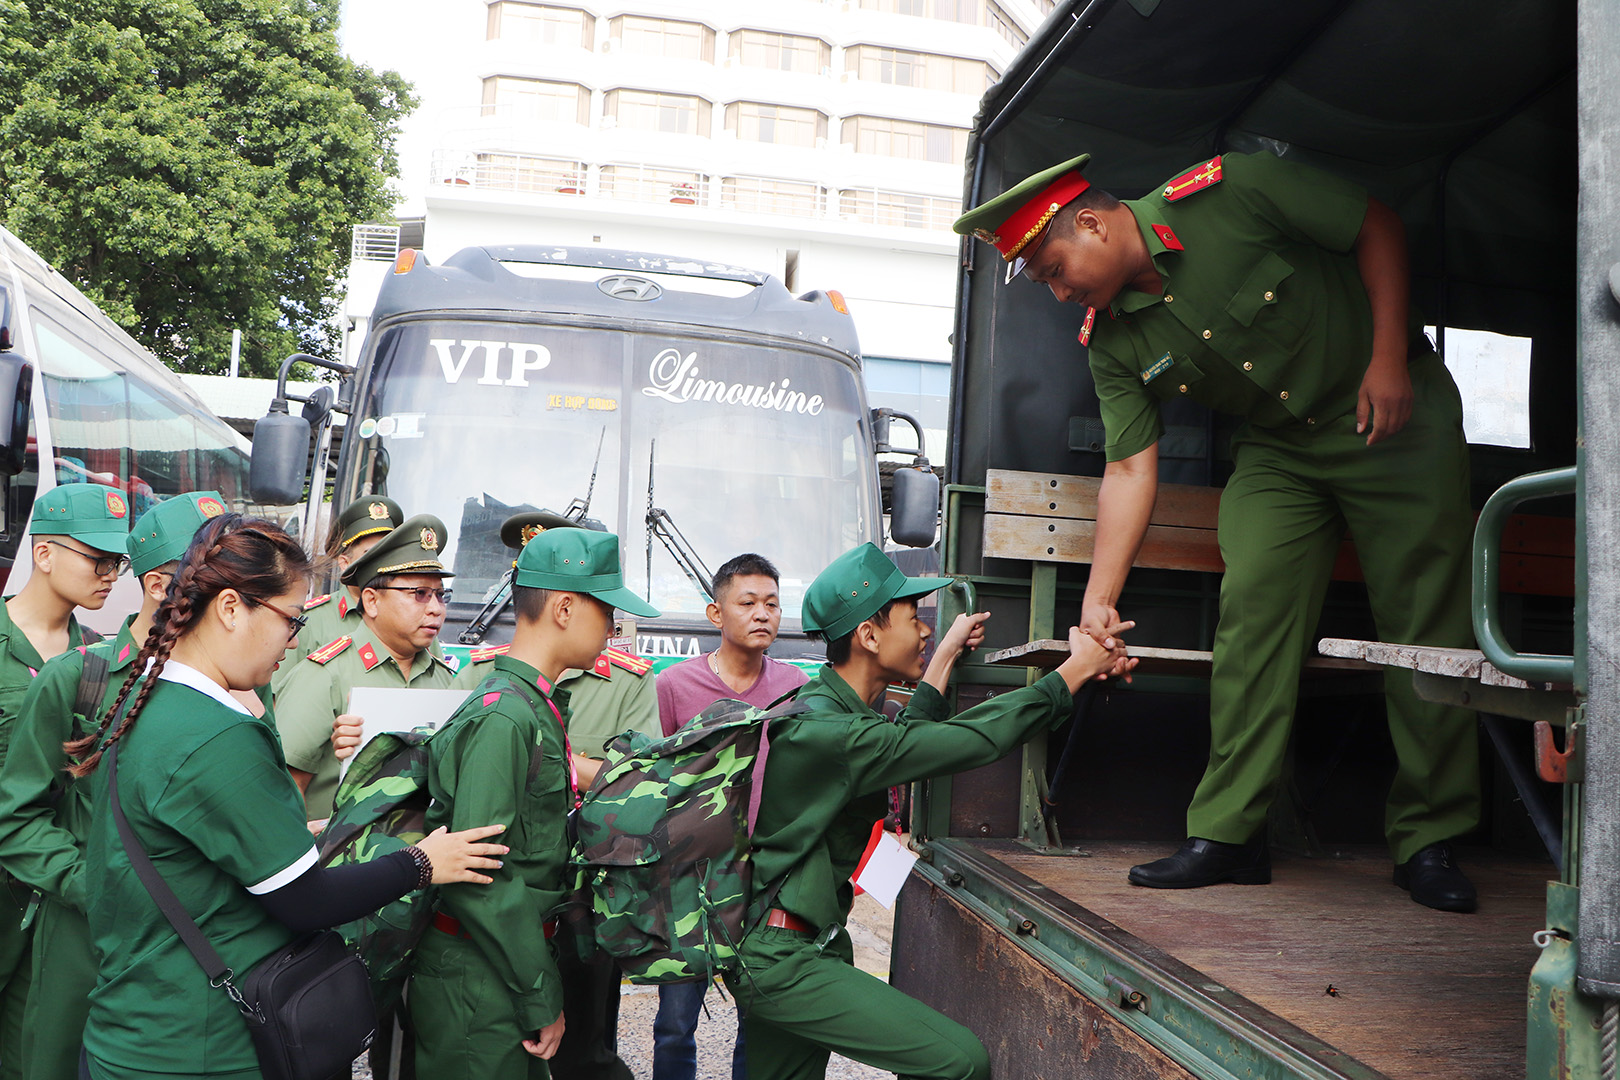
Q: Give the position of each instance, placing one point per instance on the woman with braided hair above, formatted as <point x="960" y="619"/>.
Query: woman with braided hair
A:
<point x="206" y="791"/>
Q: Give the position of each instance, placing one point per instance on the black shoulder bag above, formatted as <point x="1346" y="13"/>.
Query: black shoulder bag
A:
<point x="307" y="1005"/>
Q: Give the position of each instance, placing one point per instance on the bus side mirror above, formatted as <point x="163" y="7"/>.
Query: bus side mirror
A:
<point x="914" y="505"/>
<point x="280" y="463"/>
<point x="16" y="397"/>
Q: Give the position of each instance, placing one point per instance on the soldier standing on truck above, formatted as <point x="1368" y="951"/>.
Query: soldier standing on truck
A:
<point x="1278" y="293"/>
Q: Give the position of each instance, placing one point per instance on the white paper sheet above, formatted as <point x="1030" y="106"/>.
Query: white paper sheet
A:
<point x="886" y="870"/>
<point x="394" y="708"/>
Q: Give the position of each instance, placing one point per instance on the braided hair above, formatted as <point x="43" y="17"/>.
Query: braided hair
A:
<point x="252" y="556"/>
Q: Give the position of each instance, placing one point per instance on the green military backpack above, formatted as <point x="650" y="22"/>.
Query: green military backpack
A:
<point x="662" y="846"/>
<point x="380" y="807"/>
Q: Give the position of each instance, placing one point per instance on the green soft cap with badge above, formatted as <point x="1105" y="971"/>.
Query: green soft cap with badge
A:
<point x="367" y="517"/>
<point x="579" y="561"/>
<point x="413" y="548"/>
<point x="92" y="514"/>
<point x="162" y="534"/>
<point x="1011" y="220"/>
<point x="855" y="587"/>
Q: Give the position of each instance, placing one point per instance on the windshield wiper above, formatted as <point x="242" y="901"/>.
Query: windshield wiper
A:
<point x="662" y="525"/>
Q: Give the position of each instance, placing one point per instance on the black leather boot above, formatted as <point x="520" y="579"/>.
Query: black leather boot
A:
<point x="1203" y="862"/>
<point x="1432" y="877"/>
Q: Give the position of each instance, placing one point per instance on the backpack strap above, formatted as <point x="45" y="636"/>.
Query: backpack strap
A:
<point x="538" y="757"/>
<point x="93" y="677"/>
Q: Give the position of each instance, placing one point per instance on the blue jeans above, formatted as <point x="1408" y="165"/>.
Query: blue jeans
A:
<point x="674" y="1042"/>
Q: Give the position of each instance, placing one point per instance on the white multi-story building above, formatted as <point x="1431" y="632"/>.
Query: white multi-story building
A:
<point x="820" y="140"/>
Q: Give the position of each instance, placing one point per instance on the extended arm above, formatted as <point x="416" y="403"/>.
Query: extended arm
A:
<point x="1125" y="501"/>
<point x="1385" y="399"/>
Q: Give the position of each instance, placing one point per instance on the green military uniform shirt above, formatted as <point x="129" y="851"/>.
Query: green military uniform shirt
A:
<point x="44" y="814"/>
<point x="19" y="663"/>
<point x="829" y="771"/>
<point x="1263" y="312"/>
<point x="616" y="695"/>
<point x="478" y="774"/>
<point x="317" y="693"/>
<point x="207" y="793"/>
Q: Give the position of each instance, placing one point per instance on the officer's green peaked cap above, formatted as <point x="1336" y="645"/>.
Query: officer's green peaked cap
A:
<point x="163" y="533"/>
<point x="367" y="517"/>
<point x="413" y="548"/>
<point x="580" y="561"/>
<point x="855" y="587"/>
<point x="519" y="529"/>
<point x="1021" y="213"/>
<point x="92" y="514"/>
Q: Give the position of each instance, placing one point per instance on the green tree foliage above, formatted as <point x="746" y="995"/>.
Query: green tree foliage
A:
<point x="194" y="166"/>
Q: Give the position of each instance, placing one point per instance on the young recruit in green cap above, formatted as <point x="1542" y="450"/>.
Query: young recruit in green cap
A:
<point x="162" y="534"/>
<point x="580" y="561"/>
<point x="90" y="513"/>
<point x="854" y="587"/>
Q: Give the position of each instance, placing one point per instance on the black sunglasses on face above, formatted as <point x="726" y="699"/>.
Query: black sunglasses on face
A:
<point x="104" y="564"/>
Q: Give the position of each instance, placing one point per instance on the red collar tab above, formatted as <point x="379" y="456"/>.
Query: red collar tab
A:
<point x="1167" y="237"/>
<point x="1085" y="327"/>
<point x="1026" y="223"/>
<point x="368" y="656"/>
<point x="343" y="607"/>
<point x="1194" y="179"/>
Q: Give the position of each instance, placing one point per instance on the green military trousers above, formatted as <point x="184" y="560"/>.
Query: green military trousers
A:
<point x="64" y="973"/>
<point x="800" y="1002"/>
<point x="1283" y="514"/>
<point x="16" y="973"/>
<point x="461" y="1014"/>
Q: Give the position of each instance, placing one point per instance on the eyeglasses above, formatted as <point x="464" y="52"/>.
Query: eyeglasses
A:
<point x="295" y="623"/>
<point x="421" y="593"/>
<point x="105" y="565"/>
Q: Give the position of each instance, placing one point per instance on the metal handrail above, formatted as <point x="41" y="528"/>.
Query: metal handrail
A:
<point x="1532" y="667"/>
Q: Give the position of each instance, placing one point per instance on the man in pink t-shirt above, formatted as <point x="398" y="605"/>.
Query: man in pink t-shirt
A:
<point x="747" y="612"/>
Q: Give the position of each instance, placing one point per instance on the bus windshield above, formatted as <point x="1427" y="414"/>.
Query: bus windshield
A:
<point x="745" y="446"/>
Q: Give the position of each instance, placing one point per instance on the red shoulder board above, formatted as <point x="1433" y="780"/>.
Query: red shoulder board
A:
<point x="630" y="662"/>
<point x="330" y="649"/>
<point x="488" y="652"/>
<point x="1194" y="179"/>
<point x="1086" y="327"/>
<point x="316" y="601"/>
<point x="368" y="656"/>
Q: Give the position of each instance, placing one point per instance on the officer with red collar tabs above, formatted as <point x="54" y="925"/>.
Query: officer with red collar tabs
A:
<point x="1279" y="293"/>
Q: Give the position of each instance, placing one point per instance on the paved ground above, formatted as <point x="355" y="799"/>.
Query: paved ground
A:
<point x="869" y="925"/>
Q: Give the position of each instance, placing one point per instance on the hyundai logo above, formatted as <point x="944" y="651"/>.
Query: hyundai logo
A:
<point x="626" y="287"/>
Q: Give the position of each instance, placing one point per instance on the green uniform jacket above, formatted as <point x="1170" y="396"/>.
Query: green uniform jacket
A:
<point x="478" y="774"/>
<point x="829" y="769"/>
<point x="44" y="812"/>
<point x="1263" y="313"/>
<point x="317" y="693"/>
<point x="19" y="663"/>
<point x="615" y="696"/>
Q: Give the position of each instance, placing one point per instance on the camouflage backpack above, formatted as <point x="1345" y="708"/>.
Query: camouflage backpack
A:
<point x="380" y="807"/>
<point x="662" y="847"/>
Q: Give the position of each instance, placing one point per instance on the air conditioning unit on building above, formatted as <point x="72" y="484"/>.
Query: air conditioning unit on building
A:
<point x="610" y="45"/>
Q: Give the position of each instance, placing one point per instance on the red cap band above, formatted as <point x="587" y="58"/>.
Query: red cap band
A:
<point x="1026" y="223"/>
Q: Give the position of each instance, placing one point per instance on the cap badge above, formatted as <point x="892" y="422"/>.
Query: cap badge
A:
<point x="209" y="508"/>
<point x="987" y="236"/>
<point x="378" y="511"/>
<point x="430" y="539"/>
<point x="529" y="532"/>
<point x="115" y="504"/>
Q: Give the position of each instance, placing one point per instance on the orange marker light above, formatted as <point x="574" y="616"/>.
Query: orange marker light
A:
<point x="837" y="299"/>
<point x="404" y="260"/>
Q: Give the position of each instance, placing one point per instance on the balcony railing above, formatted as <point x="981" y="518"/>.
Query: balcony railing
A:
<point x="374" y="243"/>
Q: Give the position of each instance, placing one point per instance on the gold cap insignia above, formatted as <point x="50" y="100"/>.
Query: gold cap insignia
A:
<point x="378" y="511"/>
<point x="430" y="540"/>
<point x="531" y="531"/>
<point x="987" y="236"/>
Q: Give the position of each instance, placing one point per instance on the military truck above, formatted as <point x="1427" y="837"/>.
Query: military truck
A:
<point x="1489" y="128"/>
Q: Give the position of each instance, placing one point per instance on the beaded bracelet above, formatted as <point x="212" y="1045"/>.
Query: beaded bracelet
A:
<point x="424" y="866"/>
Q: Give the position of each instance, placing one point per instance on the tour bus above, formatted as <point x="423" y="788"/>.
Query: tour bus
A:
<point x="697" y="410"/>
<point x="97" y="408"/>
<point x="1490" y="129"/>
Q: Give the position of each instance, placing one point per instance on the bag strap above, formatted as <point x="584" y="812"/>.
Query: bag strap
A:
<point x="93" y="677"/>
<point x="537" y="757"/>
<point x="219" y="976"/>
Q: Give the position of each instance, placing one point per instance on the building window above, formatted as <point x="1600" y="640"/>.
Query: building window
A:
<point x="535" y="99"/>
<point x="759" y="195"/>
<point x="647" y="110"/>
<point x="524" y="172"/>
<point x="962" y="11"/>
<point x="668" y="38"/>
<point x="643" y="183"/>
<point x="778" y="124"/>
<point x="1003" y="24"/>
<point x="905" y="139"/>
<point x="538" y="24"/>
<point x="780" y="52"/>
<point x="895" y="208"/>
<point x="927" y="71"/>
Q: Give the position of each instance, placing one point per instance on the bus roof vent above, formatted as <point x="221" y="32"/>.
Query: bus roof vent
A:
<point x="629" y="287"/>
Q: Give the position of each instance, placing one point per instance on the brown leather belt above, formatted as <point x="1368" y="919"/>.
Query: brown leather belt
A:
<point x="786" y="920"/>
<point x="452" y="926"/>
